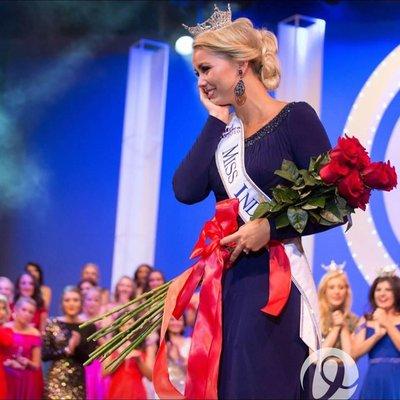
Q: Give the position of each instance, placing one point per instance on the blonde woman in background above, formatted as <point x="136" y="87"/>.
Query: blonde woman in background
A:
<point x="335" y="298"/>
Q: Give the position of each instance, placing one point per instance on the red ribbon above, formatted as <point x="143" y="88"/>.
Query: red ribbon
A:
<point x="203" y="363"/>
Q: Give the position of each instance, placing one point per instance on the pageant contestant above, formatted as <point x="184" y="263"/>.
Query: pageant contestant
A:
<point x="66" y="346"/>
<point x="379" y="335"/>
<point x="23" y="364"/>
<point x="334" y="297"/>
<point x="236" y="156"/>
<point x="5" y="343"/>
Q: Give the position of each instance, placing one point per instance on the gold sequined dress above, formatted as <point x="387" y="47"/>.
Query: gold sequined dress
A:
<point x="65" y="379"/>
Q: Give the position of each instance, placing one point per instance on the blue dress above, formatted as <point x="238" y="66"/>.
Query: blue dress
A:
<point x="382" y="380"/>
<point x="261" y="356"/>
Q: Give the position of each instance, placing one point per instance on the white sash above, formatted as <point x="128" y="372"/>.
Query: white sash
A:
<point x="229" y="158"/>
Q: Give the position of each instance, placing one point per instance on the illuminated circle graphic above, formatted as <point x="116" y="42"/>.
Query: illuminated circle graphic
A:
<point x="366" y="247"/>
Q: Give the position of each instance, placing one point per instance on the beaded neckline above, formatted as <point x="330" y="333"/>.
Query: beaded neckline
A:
<point x="269" y="127"/>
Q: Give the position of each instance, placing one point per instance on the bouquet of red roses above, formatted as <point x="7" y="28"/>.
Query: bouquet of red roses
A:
<point x="333" y="186"/>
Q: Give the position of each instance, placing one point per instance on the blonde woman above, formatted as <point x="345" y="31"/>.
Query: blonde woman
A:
<point x="337" y="320"/>
<point x="237" y="66"/>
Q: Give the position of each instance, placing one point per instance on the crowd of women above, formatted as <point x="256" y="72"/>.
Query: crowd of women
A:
<point x="28" y="336"/>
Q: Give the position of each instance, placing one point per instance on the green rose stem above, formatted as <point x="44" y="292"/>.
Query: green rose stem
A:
<point x="163" y="287"/>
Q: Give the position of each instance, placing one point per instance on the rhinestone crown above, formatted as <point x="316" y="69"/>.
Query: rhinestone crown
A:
<point x="333" y="267"/>
<point x="218" y="19"/>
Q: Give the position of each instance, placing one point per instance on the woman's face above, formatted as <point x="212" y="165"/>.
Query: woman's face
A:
<point x="91" y="273"/>
<point x="33" y="271"/>
<point x="6" y="289"/>
<point x="24" y="313"/>
<point x="336" y="292"/>
<point x="383" y="295"/>
<point x="92" y="303"/>
<point x="217" y="76"/>
<point x="71" y="304"/>
<point x="3" y="313"/>
<point x="84" y="287"/>
<point x="142" y="273"/>
<point x="176" y="325"/>
<point x="26" y="285"/>
<point x="155" y="279"/>
<point x="125" y="288"/>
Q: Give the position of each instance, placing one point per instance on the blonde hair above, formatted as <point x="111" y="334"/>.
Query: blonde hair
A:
<point x="240" y="41"/>
<point x="324" y="307"/>
<point x="4" y="300"/>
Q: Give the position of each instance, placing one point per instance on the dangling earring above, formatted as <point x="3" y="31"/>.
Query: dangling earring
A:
<point x="240" y="89"/>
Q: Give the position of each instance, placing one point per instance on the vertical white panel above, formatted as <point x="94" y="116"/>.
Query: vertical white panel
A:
<point x="301" y="46"/>
<point x="141" y="158"/>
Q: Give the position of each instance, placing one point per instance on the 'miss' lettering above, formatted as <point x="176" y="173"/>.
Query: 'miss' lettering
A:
<point x="230" y="166"/>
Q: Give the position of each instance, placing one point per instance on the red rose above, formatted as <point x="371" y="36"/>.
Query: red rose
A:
<point x="349" y="151"/>
<point x="353" y="190"/>
<point x="380" y="175"/>
<point x="333" y="171"/>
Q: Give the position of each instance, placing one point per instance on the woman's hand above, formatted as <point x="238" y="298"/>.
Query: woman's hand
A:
<point x="74" y="341"/>
<point x="252" y="236"/>
<point x="379" y="330"/>
<point x="220" y="112"/>
<point x="338" y="318"/>
<point x="381" y="317"/>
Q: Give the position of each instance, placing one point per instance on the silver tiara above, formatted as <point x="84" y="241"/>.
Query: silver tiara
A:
<point x="218" y="19"/>
<point x="333" y="267"/>
<point x="387" y="270"/>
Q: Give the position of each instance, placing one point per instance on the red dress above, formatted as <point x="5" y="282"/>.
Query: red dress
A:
<point x="24" y="384"/>
<point x="6" y="339"/>
<point x="126" y="382"/>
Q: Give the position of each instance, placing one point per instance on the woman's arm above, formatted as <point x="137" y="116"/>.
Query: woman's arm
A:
<point x="307" y="138"/>
<point x="43" y="320"/>
<point x="50" y="351"/>
<point x="345" y="340"/>
<point x="46" y="294"/>
<point x="190" y="181"/>
<point x="361" y="344"/>
<point x="331" y="337"/>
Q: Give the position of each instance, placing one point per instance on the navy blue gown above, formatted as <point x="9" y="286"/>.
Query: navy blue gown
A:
<point x="261" y="356"/>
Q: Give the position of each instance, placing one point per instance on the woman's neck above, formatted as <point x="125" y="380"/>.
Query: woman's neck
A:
<point x="19" y="326"/>
<point x="72" y="319"/>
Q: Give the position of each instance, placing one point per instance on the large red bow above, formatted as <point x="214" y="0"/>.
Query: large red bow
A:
<point x="203" y="363"/>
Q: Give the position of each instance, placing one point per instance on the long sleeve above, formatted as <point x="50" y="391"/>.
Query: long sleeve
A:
<point x="50" y="349"/>
<point x="307" y="138"/>
<point x="191" y="179"/>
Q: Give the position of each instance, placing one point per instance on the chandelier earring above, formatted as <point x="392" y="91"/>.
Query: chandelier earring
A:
<point x="240" y="90"/>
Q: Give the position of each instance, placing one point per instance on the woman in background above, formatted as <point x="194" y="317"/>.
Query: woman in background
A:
<point x="124" y="292"/>
<point x="178" y="352"/>
<point x="140" y="277"/>
<point x="90" y="271"/>
<point x="378" y="335"/>
<point x="28" y="286"/>
<point x="5" y="343"/>
<point x="23" y="366"/>
<point x="7" y="289"/>
<point x="335" y="298"/>
<point x="66" y="346"/>
<point x="37" y="271"/>
<point x="96" y="383"/>
<point x="155" y="279"/>
<point x="126" y="382"/>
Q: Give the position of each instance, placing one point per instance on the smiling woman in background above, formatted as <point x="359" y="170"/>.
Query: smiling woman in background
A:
<point x="66" y="346"/>
<point x="378" y="334"/>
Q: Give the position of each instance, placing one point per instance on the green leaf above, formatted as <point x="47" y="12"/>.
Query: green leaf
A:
<point x="331" y="213"/>
<point x="297" y="218"/>
<point x="261" y="210"/>
<point x="282" y="220"/>
<point x="315" y="216"/>
<point x="317" y="201"/>
<point x="284" y="194"/>
<point x="309" y="180"/>
<point x="288" y="171"/>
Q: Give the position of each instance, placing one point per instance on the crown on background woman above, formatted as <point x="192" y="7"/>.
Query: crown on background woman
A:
<point x="218" y="19"/>
<point x="333" y="267"/>
<point x="387" y="271"/>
